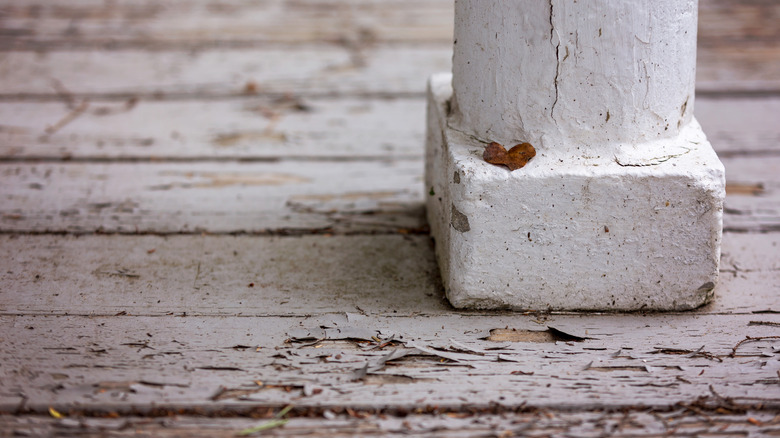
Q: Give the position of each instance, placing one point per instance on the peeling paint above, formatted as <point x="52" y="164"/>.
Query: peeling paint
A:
<point x="459" y="220"/>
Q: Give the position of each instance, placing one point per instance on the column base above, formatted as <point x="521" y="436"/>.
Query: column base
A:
<point x="572" y="232"/>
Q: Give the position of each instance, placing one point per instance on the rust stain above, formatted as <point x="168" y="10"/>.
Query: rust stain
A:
<point x="740" y="189"/>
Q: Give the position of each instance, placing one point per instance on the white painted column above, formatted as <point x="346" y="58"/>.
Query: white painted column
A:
<point x="571" y="73"/>
<point x="621" y="208"/>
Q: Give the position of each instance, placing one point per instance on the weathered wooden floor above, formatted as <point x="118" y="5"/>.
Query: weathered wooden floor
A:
<point x="211" y="220"/>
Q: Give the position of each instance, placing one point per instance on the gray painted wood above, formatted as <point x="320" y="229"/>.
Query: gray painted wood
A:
<point x="292" y="127"/>
<point x="219" y="275"/>
<point x="292" y="276"/>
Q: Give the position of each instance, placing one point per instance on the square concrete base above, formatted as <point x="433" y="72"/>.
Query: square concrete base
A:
<point x="567" y="232"/>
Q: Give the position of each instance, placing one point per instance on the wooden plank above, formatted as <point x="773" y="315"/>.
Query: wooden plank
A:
<point x="751" y="69"/>
<point x="305" y="70"/>
<point x="127" y="22"/>
<point x="224" y="129"/>
<point x="287" y="195"/>
<point x="740" y="126"/>
<point x="286" y="127"/>
<point x="437" y="423"/>
<point x="293" y="276"/>
<point x="752" y="194"/>
<point x="143" y="364"/>
<point x="219" y="275"/>
<point x="257" y="197"/>
<point x="90" y="22"/>
<point x="328" y="70"/>
<point x="744" y="22"/>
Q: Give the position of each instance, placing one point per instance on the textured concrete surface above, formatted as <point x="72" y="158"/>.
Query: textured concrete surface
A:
<point x="640" y="229"/>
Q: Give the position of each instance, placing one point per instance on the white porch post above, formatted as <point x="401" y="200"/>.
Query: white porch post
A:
<point x="621" y="207"/>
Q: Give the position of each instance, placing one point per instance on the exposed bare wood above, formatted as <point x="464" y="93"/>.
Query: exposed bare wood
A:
<point x="288" y="127"/>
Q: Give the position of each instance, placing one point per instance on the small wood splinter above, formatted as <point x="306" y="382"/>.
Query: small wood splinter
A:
<point x="516" y="158"/>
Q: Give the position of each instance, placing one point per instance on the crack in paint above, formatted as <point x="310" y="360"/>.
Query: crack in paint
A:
<point x="557" y="58"/>
<point x="652" y="161"/>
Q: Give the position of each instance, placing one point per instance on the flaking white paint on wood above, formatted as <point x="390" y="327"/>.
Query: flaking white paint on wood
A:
<point x="434" y="423"/>
<point x="55" y="360"/>
<point x="211" y="197"/>
<point x="246" y="128"/>
<point x="121" y="363"/>
<point x="216" y="197"/>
